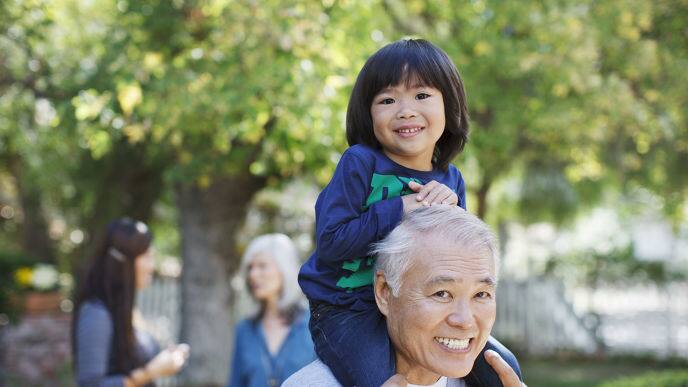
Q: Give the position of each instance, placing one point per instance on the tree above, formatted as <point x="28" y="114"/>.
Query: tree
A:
<point x="219" y="100"/>
<point x="111" y="108"/>
<point x="278" y="81"/>
<point x="63" y="160"/>
<point x="559" y="92"/>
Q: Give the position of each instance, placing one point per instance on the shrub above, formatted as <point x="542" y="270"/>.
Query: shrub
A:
<point x="672" y="378"/>
<point x="10" y="261"/>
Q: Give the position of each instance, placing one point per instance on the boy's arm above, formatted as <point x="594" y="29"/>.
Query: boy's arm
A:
<point x="344" y="230"/>
<point x="461" y="192"/>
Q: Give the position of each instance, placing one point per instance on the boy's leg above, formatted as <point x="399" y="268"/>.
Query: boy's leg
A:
<point x="353" y="344"/>
<point x="482" y="374"/>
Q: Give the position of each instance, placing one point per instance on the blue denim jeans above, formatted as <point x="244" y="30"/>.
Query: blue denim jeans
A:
<point x="356" y="347"/>
<point x="353" y="344"/>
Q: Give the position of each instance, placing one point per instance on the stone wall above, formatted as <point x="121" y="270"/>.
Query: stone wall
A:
<point x="36" y="351"/>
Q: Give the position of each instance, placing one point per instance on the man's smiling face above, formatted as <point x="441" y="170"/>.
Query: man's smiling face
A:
<point x="444" y="312"/>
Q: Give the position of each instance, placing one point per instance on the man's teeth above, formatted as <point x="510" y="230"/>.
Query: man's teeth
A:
<point x="453" y="343"/>
<point x="411" y="130"/>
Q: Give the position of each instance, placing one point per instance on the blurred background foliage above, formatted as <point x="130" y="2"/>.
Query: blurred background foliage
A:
<point x="180" y="113"/>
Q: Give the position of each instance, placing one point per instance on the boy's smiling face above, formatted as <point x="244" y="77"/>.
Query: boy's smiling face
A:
<point x="408" y="120"/>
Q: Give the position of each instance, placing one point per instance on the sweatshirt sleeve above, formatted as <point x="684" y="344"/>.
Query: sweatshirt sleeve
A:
<point x="93" y="343"/>
<point x="461" y="192"/>
<point x="344" y="229"/>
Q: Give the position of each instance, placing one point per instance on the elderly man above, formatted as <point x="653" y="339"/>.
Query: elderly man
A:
<point x="435" y="283"/>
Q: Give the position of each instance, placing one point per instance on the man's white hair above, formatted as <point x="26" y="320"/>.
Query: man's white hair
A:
<point x="449" y="224"/>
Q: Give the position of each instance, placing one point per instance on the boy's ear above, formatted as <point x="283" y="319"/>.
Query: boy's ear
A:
<point x="382" y="292"/>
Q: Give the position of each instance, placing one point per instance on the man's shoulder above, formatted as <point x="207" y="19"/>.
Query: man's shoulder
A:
<point x="314" y="374"/>
<point x="456" y="383"/>
<point x="318" y="374"/>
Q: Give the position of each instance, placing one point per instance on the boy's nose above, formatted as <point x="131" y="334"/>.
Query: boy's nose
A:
<point x="405" y="110"/>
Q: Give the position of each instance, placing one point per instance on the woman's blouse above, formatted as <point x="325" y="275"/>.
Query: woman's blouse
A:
<point x="254" y="366"/>
<point x="94" y="336"/>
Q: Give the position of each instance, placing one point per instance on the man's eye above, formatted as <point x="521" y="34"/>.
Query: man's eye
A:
<point x="386" y="101"/>
<point x="422" y="95"/>
<point x="442" y="294"/>
<point x="483" y="295"/>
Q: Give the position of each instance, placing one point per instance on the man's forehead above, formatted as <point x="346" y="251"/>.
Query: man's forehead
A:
<point x="445" y="260"/>
<point x="439" y="248"/>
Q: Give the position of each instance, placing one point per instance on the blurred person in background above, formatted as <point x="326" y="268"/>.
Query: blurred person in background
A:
<point x="107" y="348"/>
<point x="276" y="342"/>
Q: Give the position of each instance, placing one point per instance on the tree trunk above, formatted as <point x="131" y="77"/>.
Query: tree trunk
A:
<point x="34" y="229"/>
<point x="481" y="194"/>
<point x="209" y="221"/>
<point x="124" y="183"/>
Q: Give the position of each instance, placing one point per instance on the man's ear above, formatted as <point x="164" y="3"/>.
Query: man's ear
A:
<point x="382" y="292"/>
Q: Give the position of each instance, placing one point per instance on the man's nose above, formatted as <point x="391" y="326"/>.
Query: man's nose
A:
<point x="461" y="315"/>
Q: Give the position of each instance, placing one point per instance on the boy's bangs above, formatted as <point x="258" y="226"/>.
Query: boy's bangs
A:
<point x="403" y="66"/>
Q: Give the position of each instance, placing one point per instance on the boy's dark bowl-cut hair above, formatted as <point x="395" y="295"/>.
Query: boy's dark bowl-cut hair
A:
<point x="410" y="60"/>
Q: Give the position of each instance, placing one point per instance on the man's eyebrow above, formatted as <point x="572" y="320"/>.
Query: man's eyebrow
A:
<point x="489" y="280"/>
<point x="441" y="280"/>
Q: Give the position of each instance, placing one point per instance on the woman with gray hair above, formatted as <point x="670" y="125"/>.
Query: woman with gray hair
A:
<point x="274" y="343"/>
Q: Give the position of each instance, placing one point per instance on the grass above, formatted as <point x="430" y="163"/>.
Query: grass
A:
<point x="578" y="372"/>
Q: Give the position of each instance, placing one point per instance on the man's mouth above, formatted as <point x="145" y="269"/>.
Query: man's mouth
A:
<point x="454" y="344"/>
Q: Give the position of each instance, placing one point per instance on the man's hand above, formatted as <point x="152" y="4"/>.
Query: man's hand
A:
<point x="506" y="374"/>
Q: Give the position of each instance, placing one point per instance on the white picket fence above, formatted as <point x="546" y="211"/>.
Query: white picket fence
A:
<point x="643" y="318"/>
<point x="160" y="306"/>
<point x="537" y="316"/>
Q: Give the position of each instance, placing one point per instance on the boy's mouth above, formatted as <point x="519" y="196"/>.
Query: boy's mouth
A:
<point x="409" y="131"/>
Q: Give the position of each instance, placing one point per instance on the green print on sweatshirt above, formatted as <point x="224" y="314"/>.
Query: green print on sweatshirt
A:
<point x="383" y="187"/>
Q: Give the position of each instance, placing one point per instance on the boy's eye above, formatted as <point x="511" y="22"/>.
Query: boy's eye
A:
<point x="386" y="101"/>
<point x="422" y="95"/>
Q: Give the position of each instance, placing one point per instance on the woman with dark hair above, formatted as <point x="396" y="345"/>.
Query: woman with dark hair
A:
<point x="107" y="349"/>
<point x="274" y="343"/>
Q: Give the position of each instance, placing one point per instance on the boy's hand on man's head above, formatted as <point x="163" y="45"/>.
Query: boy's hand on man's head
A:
<point x="434" y="193"/>
<point x="410" y="203"/>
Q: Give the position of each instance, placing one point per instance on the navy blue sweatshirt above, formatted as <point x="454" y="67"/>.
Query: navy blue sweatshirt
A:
<point x="360" y="206"/>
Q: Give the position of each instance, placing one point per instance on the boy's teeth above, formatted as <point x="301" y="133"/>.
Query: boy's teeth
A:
<point x="453" y="343"/>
